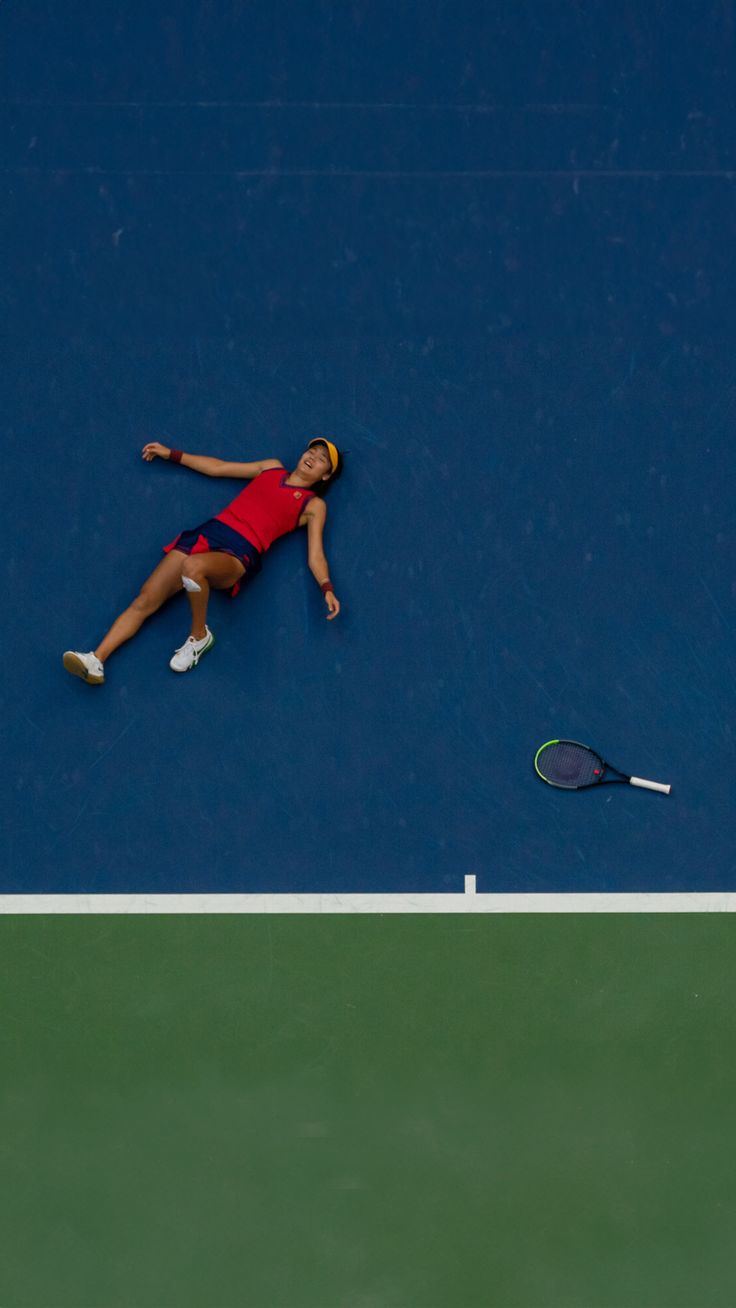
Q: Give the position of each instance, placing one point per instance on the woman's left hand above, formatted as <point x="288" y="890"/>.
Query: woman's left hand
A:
<point x="333" y="605"/>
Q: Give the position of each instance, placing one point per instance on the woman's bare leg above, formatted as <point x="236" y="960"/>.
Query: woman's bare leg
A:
<point x="210" y="571"/>
<point x="164" y="581"/>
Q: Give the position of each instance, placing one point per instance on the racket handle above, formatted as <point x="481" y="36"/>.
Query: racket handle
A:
<point x="650" y="785"/>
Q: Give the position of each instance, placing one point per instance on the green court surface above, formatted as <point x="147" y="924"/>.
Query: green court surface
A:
<point x="368" y="1112"/>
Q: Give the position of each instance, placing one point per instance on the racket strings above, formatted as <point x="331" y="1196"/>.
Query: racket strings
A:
<point x="565" y="763"/>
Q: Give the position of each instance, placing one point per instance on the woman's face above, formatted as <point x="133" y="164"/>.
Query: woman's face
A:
<point x="314" y="464"/>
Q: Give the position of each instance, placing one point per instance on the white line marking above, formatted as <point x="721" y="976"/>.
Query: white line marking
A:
<point x="470" y="886"/>
<point x="695" y="902"/>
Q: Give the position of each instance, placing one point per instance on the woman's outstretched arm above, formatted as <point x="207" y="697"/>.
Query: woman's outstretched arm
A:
<point x="210" y="467"/>
<point x="316" y="515"/>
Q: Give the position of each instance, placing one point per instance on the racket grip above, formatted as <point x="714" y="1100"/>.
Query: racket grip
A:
<point x="650" y="785"/>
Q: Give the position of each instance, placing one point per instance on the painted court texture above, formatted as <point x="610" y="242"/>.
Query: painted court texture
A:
<point x="489" y="250"/>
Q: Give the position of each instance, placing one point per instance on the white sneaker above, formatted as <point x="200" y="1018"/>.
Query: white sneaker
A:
<point x="86" y="666"/>
<point x="191" y="651"/>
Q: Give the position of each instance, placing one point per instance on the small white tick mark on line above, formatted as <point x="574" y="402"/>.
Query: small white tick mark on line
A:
<point x="470" y="885"/>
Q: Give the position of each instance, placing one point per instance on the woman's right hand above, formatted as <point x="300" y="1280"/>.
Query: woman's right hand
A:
<point x="155" y="450"/>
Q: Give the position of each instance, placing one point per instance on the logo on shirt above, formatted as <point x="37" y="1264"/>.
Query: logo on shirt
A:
<point x="297" y="495"/>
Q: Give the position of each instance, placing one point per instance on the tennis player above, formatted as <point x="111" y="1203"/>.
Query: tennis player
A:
<point x="225" y="552"/>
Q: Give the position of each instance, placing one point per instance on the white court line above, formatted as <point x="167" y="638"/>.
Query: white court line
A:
<point x="468" y="902"/>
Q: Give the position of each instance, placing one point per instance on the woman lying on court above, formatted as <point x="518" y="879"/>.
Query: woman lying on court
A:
<point x="225" y="552"/>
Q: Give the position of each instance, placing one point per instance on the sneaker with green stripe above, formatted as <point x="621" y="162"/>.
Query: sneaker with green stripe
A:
<point x="189" y="654"/>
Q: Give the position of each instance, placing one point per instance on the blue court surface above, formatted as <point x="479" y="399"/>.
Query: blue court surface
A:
<point x="489" y="251"/>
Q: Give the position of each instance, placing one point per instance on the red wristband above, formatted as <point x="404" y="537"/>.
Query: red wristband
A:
<point x="175" y="456"/>
<point x="327" y="585"/>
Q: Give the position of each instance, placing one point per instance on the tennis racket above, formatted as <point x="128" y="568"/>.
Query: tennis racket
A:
<point x="572" y="766"/>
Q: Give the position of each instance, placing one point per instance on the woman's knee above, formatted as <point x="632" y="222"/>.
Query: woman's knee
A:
<point x="148" y="600"/>
<point x="195" y="567"/>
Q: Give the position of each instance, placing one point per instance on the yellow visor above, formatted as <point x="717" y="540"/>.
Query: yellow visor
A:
<point x="331" y="449"/>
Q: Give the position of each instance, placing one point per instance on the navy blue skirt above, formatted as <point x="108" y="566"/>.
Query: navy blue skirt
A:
<point x="215" y="536"/>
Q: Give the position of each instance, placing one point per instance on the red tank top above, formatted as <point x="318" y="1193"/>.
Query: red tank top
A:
<point x="266" y="508"/>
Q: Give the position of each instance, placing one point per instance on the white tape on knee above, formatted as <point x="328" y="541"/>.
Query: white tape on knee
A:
<point x="190" y="584"/>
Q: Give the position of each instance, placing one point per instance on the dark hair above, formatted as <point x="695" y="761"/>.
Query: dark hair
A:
<point x="321" y="487"/>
